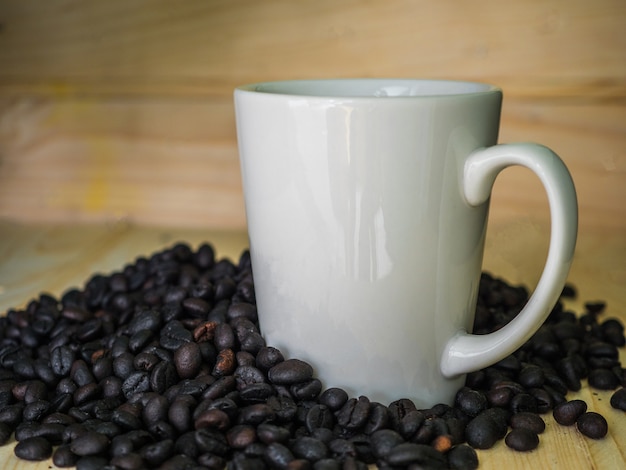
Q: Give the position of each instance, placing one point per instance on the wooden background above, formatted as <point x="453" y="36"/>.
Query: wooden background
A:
<point x="122" y="110"/>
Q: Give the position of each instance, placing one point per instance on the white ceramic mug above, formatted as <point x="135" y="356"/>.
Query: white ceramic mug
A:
<point x="366" y="203"/>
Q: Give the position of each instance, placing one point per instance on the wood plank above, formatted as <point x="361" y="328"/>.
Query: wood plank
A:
<point x="174" y="161"/>
<point x="52" y="258"/>
<point x="549" y="49"/>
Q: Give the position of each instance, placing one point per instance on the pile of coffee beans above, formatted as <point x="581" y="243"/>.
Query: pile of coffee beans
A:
<point x="162" y="365"/>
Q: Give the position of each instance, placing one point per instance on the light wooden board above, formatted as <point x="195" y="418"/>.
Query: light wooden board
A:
<point x="175" y="162"/>
<point x="52" y="258"/>
<point x="122" y="110"/>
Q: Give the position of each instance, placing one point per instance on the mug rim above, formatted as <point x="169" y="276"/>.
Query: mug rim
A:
<point x="369" y="88"/>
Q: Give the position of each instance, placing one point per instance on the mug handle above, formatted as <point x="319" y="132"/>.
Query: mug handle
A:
<point x="467" y="352"/>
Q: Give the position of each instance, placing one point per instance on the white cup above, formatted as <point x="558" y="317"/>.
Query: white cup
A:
<point x="366" y="203"/>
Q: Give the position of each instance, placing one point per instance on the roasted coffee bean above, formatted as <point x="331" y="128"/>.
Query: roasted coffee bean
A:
<point x="211" y="441"/>
<point x="545" y="402"/>
<point x="319" y="416"/>
<point x="603" y="379"/>
<point x="523" y="402"/>
<point x="267" y="357"/>
<point x="289" y="372"/>
<point x="353" y="415"/>
<point x="256" y="414"/>
<point x="5" y="433"/>
<point x="592" y="425"/>
<point x="35" y="390"/>
<point x="306" y="391"/>
<point x="156" y="453"/>
<point x="33" y="448"/>
<point x="130" y="461"/>
<point x="123" y="365"/>
<point x="187" y="360"/>
<point x="531" y="376"/>
<point x="225" y="363"/>
<point x="567" y="413"/>
<point x="196" y="306"/>
<point x="36" y="410"/>
<point x="462" y="457"/>
<point x="618" y="399"/>
<point x="333" y="398"/>
<point x="93" y="462"/>
<point x="136" y="382"/>
<point x="64" y="457"/>
<point x="483" y="431"/>
<point x="125" y="420"/>
<point x="81" y="374"/>
<point x="241" y="436"/>
<point x="11" y="415"/>
<point x="409" y="453"/>
<point x="522" y="439"/>
<point x="471" y="402"/>
<point x="179" y="413"/>
<point x="90" y="443"/>
<point x="163" y="376"/>
<point x="529" y="421"/>
<point x="278" y="456"/>
<point x="309" y="448"/>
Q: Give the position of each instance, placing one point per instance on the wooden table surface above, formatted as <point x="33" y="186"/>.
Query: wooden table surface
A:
<point x="53" y="258"/>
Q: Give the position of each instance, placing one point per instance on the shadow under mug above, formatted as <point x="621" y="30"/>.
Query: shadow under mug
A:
<point x="366" y="204"/>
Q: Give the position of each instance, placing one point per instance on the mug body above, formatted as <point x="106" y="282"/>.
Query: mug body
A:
<point x="366" y="257"/>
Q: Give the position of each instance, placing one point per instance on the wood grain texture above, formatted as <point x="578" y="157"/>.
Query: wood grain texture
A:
<point x="122" y="110"/>
<point x="554" y="48"/>
<point x="160" y="162"/>
<point x="53" y="258"/>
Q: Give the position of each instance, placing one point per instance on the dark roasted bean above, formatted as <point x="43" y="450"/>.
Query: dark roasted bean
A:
<point x="383" y="441"/>
<point x="156" y="453"/>
<point x="603" y="379"/>
<point x="269" y="433"/>
<point x="36" y="410"/>
<point x="33" y="448"/>
<point x="278" y="456"/>
<point x="522" y="439"/>
<point x="523" y="402"/>
<point x="241" y="436"/>
<point x="209" y="440"/>
<point x="256" y="414"/>
<point x="529" y="421"/>
<point x="196" y="307"/>
<point x="482" y="432"/>
<point x="35" y="390"/>
<point x="90" y="443"/>
<point x="187" y="360"/>
<point x="309" y="448"/>
<point x="470" y="401"/>
<point x="92" y="462"/>
<point x="225" y="363"/>
<point x="592" y="425"/>
<point x="289" y="372"/>
<point x="5" y="433"/>
<point x="353" y="415"/>
<point x="163" y="376"/>
<point x="130" y="461"/>
<point x="409" y="453"/>
<point x="155" y="409"/>
<point x="462" y="457"/>
<point x="618" y="399"/>
<point x="64" y="457"/>
<point x="267" y="357"/>
<point x="567" y="413"/>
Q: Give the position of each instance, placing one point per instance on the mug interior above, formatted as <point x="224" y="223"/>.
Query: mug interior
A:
<point x="369" y="88"/>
